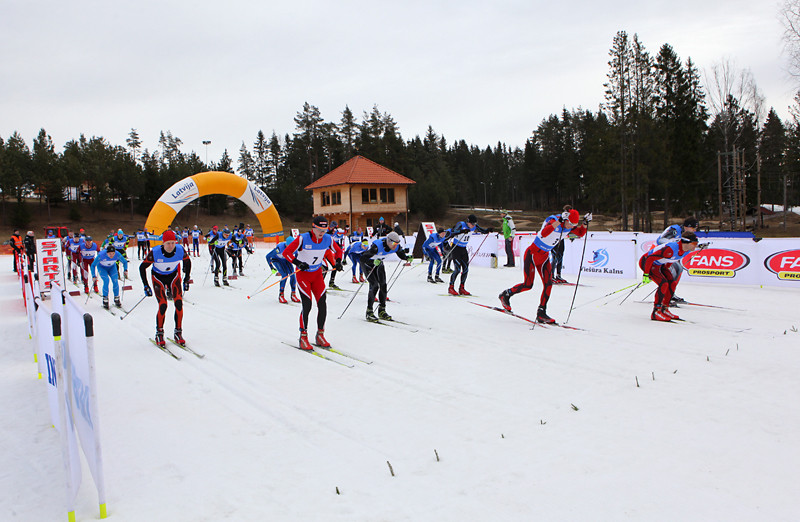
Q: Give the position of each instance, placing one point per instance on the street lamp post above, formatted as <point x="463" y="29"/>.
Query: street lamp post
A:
<point x="206" y="143"/>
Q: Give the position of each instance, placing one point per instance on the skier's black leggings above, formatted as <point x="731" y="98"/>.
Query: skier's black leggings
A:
<point x="220" y="258"/>
<point x="377" y="285"/>
<point x="460" y="258"/>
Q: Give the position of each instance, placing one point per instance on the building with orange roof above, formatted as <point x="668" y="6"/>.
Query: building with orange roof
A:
<point x="359" y="192"/>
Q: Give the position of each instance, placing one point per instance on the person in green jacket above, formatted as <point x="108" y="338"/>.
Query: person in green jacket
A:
<point x="508" y="233"/>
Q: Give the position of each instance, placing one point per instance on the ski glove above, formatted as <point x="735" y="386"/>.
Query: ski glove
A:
<point x="186" y="286"/>
<point x="148" y="292"/>
<point x="338" y="266"/>
<point x="274" y="271"/>
<point x="646" y="279"/>
<point x="565" y="215"/>
<point x="587" y="218"/>
<point x="376" y="262"/>
<point x="302" y="265"/>
<point x="489" y="230"/>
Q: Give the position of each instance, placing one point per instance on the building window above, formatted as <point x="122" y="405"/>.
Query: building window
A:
<point x="387" y="195"/>
<point x="369" y="195"/>
<point x="326" y="198"/>
<point x="336" y="198"/>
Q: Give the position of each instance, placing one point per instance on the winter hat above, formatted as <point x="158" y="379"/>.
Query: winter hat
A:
<point x="689" y="237"/>
<point x="110" y="248"/>
<point x="320" y="221"/>
<point x="574" y="216"/>
<point x="168" y="235"/>
<point x="393" y="236"/>
<point x="472" y="219"/>
<point x="691" y="222"/>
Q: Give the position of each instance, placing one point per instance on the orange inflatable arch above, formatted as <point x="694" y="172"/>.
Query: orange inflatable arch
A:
<point x="206" y="183"/>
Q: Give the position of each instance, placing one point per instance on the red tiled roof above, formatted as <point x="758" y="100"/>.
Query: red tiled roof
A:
<point x="359" y="170"/>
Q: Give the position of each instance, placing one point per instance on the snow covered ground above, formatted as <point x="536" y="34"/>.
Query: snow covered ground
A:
<point x="545" y="424"/>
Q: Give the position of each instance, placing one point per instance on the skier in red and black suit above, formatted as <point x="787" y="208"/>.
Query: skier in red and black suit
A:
<point x="656" y="265"/>
<point x="537" y="258"/>
<point x="166" y="259"/>
<point x="308" y="253"/>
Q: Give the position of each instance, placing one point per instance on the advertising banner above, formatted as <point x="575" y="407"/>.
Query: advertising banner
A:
<point x="482" y="248"/>
<point x="48" y="262"/>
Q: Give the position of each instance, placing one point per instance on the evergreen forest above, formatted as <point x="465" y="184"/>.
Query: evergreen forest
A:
<point x="658" y="146"/>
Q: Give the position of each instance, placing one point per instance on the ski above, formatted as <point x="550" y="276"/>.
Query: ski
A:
<point x="398" y="325"/>
<point x="459" y="295"/>
<point x="320" y="355"/>
<point x="164" y="349"/>
<point x="184" y="347"/>
<point x="109" y="310"/>
<point x="344" y="354"/>
<point x="710" y="306"/>
<point x="532" y="321"/>
<point x="719" y="326"/>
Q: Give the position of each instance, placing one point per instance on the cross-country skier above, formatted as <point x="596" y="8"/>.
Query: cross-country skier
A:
<point x="88" y="251"/>
<point x="337" y="235"/>
<point x="220" y="257"/>
<point x="373" y="259"/>
<point x="141" y="246"/>
<point x="537" y="258"/>
<point x="308" y="252"/>
<point x="235" y="247"/>
<point x="557" y="255"/>
<point x="196" y="235"/>
<point x="429" y="248"/>
<point x="106" y="263"/>
<point x="354" y="252"/>
<point x="74" y="256"/>
<point x="460" y="234"/>
<point x="166" y="260"/>
<point x="670" y="234"/>
<point x="655" y="265"/>
<point x="278" y="264"/>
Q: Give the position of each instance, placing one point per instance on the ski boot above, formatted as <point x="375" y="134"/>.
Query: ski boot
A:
<point x="666" y="311"/>
<point x="505" y="300"/>
<point x="659" y="315"/>
<point x="542" y="317"/>
<point x="304" y="344"/>
<point x="216" y="281"/>
<point x="179" y="337"/>
<point x="294" y="298"/>
<point x="281" y="299"/>
<point x="117" y="302"/>
<point x="463" y="291"/>
<point x="452" y="290"/>
<point x="105" y="302"/>
<point x="321" y="341"/>
<point x="160" y="337"/>
<point x="438" y="279"/>
<point x="675" y="301"/>
<point x="241" y="273"/>
<point x="225" y="280"/>
<point x="333" y="286"/>
<point x="355" y="280"/>
<point x="383" y="315"/>
<point x="431" y="279"/>
<point x="371" y="317"/>
<point x="361" y="278"/>
<point x="96" y="290"/>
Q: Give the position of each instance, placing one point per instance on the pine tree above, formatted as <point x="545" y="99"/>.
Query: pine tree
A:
<point x="47" y="177"/>
<point x="247" y="166"/>
<point x="133" y="142"/>
<point x="260" y="159"/>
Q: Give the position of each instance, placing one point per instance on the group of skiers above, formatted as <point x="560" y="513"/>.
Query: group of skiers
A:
<point x="305" y="260"/>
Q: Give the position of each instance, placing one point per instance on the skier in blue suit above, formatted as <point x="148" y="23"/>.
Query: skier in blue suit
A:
<point x="106" y="264"/>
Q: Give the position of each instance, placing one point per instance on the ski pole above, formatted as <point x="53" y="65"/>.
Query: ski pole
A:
<point x="134" y="307"/>
<point x="604" y="296"/>
<point x="273" y="284"/>
<point x="580" y="269"/>
<point x="396" y="278"/>
<point x="479" y="248"/>
<point x="360" y="285"/>
<point x="629" y="293"/>
<point x="265" y="281"/>
<point x="648" y="295"/>
<point x="210" y="263"/>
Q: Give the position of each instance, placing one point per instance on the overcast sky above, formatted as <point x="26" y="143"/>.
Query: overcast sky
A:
<point x="221" y="71"/>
